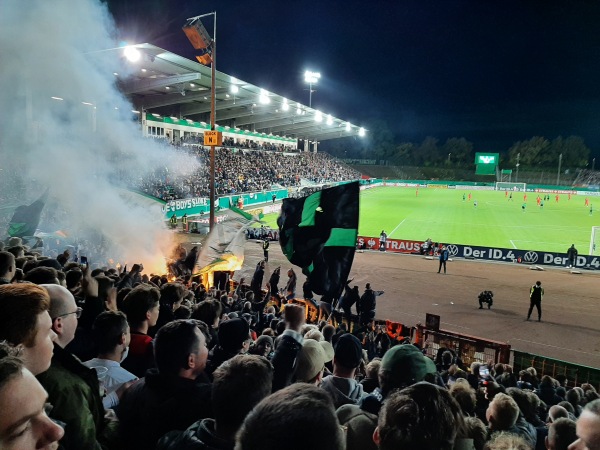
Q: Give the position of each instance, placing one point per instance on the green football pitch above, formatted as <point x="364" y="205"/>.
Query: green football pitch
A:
<point x="496" y="221"/>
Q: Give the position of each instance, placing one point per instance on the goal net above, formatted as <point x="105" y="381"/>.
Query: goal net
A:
<point x="507" y="186"/>
<point x="595" y="241"/>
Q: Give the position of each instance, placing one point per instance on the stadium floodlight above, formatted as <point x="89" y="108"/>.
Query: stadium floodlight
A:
<point x="264" y="97"/>
<point x="57" y="98"/>
<point x="361" y="132"/>
<point x="348" y="126"/>
<point x="285" y="106"/>
<point x="299" y="111"/>
<point x="174" y="118"/>
<point x="132" y="54"/>
<point x="329" y="119"/>
<point x="87" y="103"/>
<point x="311" y="78"/>
<point x="234" y="89"/>
<point x="134" y="111"/>
<point x="318" y="116"/>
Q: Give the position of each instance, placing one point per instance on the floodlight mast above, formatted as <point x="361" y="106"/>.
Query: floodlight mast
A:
<point x="212" y="111"/>
<point x="311" y="78"/>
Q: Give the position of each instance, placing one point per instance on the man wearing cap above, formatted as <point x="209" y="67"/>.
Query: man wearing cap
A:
<point x="342" y="386"/>
<point x="311" y="361"/>
<point x="401" y="366"/>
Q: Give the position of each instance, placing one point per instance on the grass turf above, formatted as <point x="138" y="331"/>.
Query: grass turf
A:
<point x="443" y="216"/>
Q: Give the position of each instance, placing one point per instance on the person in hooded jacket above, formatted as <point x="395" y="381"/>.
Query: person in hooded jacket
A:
<point x="342" y="386"/>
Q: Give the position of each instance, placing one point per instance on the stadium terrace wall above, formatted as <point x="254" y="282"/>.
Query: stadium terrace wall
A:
<point x="200" y="205"/>
<point x="472" y="252"/>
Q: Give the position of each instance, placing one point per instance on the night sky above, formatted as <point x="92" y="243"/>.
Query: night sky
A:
<point x="493" y="72"/>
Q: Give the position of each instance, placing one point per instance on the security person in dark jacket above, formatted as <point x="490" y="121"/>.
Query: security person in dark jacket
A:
<point x="535" y="297"/>
<point x="572" y="255"/>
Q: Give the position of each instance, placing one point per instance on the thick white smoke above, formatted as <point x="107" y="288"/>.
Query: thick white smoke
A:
<point x="78" y="146"/>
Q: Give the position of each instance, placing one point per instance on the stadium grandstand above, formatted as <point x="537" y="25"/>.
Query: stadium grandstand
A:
<point x="178" y="360"/>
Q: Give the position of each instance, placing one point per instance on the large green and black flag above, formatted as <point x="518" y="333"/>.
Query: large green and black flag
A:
<point x="26" y="218"/>
<point x="318" y="233"/>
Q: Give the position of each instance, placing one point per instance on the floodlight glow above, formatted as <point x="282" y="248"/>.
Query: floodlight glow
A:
<point x="144" y="70"/>
<point x="361" y="131"/>
<point x="174" y="118"/>
<point x="227" y="95"/>
<point x="167" y="87"/>
<point x="134" y="111"/>
<point x="318" y="116"/>
<point x="234" y="89"/>
<point x="298" y="111"/>
<point x="57" y="98"/>
<point x="132" y="54"/>
<point x="329" y="120"/>
<point x="87" y="103"/>
<point x="115" y="74"/>
<point x="348" y="127"/>
<point x="192" y="85"/>
<point x="311" y="77"/>
<point x="264" y="97"/>
<point x="189" y="120"/>
<point x="285" y="105"/>
<point x="156" y="115"/>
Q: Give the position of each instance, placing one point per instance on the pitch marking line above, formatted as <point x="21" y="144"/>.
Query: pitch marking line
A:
<point x="397" y="226"/>
<point x="512" y="243"/>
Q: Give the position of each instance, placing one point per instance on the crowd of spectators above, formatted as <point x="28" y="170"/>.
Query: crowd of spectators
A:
<point x="172" y="364"/>
<point x="240" y="143"/>
<point x="241" y="170"/>
<point x="587" y="178"/>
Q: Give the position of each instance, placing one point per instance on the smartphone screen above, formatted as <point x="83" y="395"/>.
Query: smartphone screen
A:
<point x="83" y="260"/>
<point x="484" y="372"/>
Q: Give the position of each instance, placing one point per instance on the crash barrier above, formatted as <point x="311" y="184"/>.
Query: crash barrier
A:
<point x="469" y="349"/>
<point x="576" y="374"/>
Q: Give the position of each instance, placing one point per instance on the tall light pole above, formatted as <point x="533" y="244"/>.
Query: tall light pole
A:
<point x="211" y="48"/>
<point x="558" y="174"/>
<point x="518" y="164"/>
<point x="311" y="78"/>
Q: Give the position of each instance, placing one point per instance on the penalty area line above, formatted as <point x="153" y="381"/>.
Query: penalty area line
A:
<point x="512" y="243"/>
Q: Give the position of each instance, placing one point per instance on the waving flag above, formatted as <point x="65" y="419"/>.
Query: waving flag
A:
<point x="26" y="218"/>
<point x="318" y="233"/>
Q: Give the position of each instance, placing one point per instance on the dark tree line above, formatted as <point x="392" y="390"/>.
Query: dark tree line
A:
<point x="537" y="152"/>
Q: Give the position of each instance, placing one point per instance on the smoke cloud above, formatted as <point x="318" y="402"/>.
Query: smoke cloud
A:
<point x="83" y="146"/>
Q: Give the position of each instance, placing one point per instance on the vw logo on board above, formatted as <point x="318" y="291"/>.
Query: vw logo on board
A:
<point x="452" y="250"/>
<point x="530" y="257"/>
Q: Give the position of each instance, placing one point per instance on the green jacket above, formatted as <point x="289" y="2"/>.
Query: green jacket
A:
<point x="74" y="392"/>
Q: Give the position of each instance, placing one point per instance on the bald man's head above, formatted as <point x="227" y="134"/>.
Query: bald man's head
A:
<point x="64" y="313"/>
<point x="61" y="300"/>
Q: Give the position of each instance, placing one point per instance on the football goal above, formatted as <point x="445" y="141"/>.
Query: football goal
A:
<point x="507" y="186"/>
